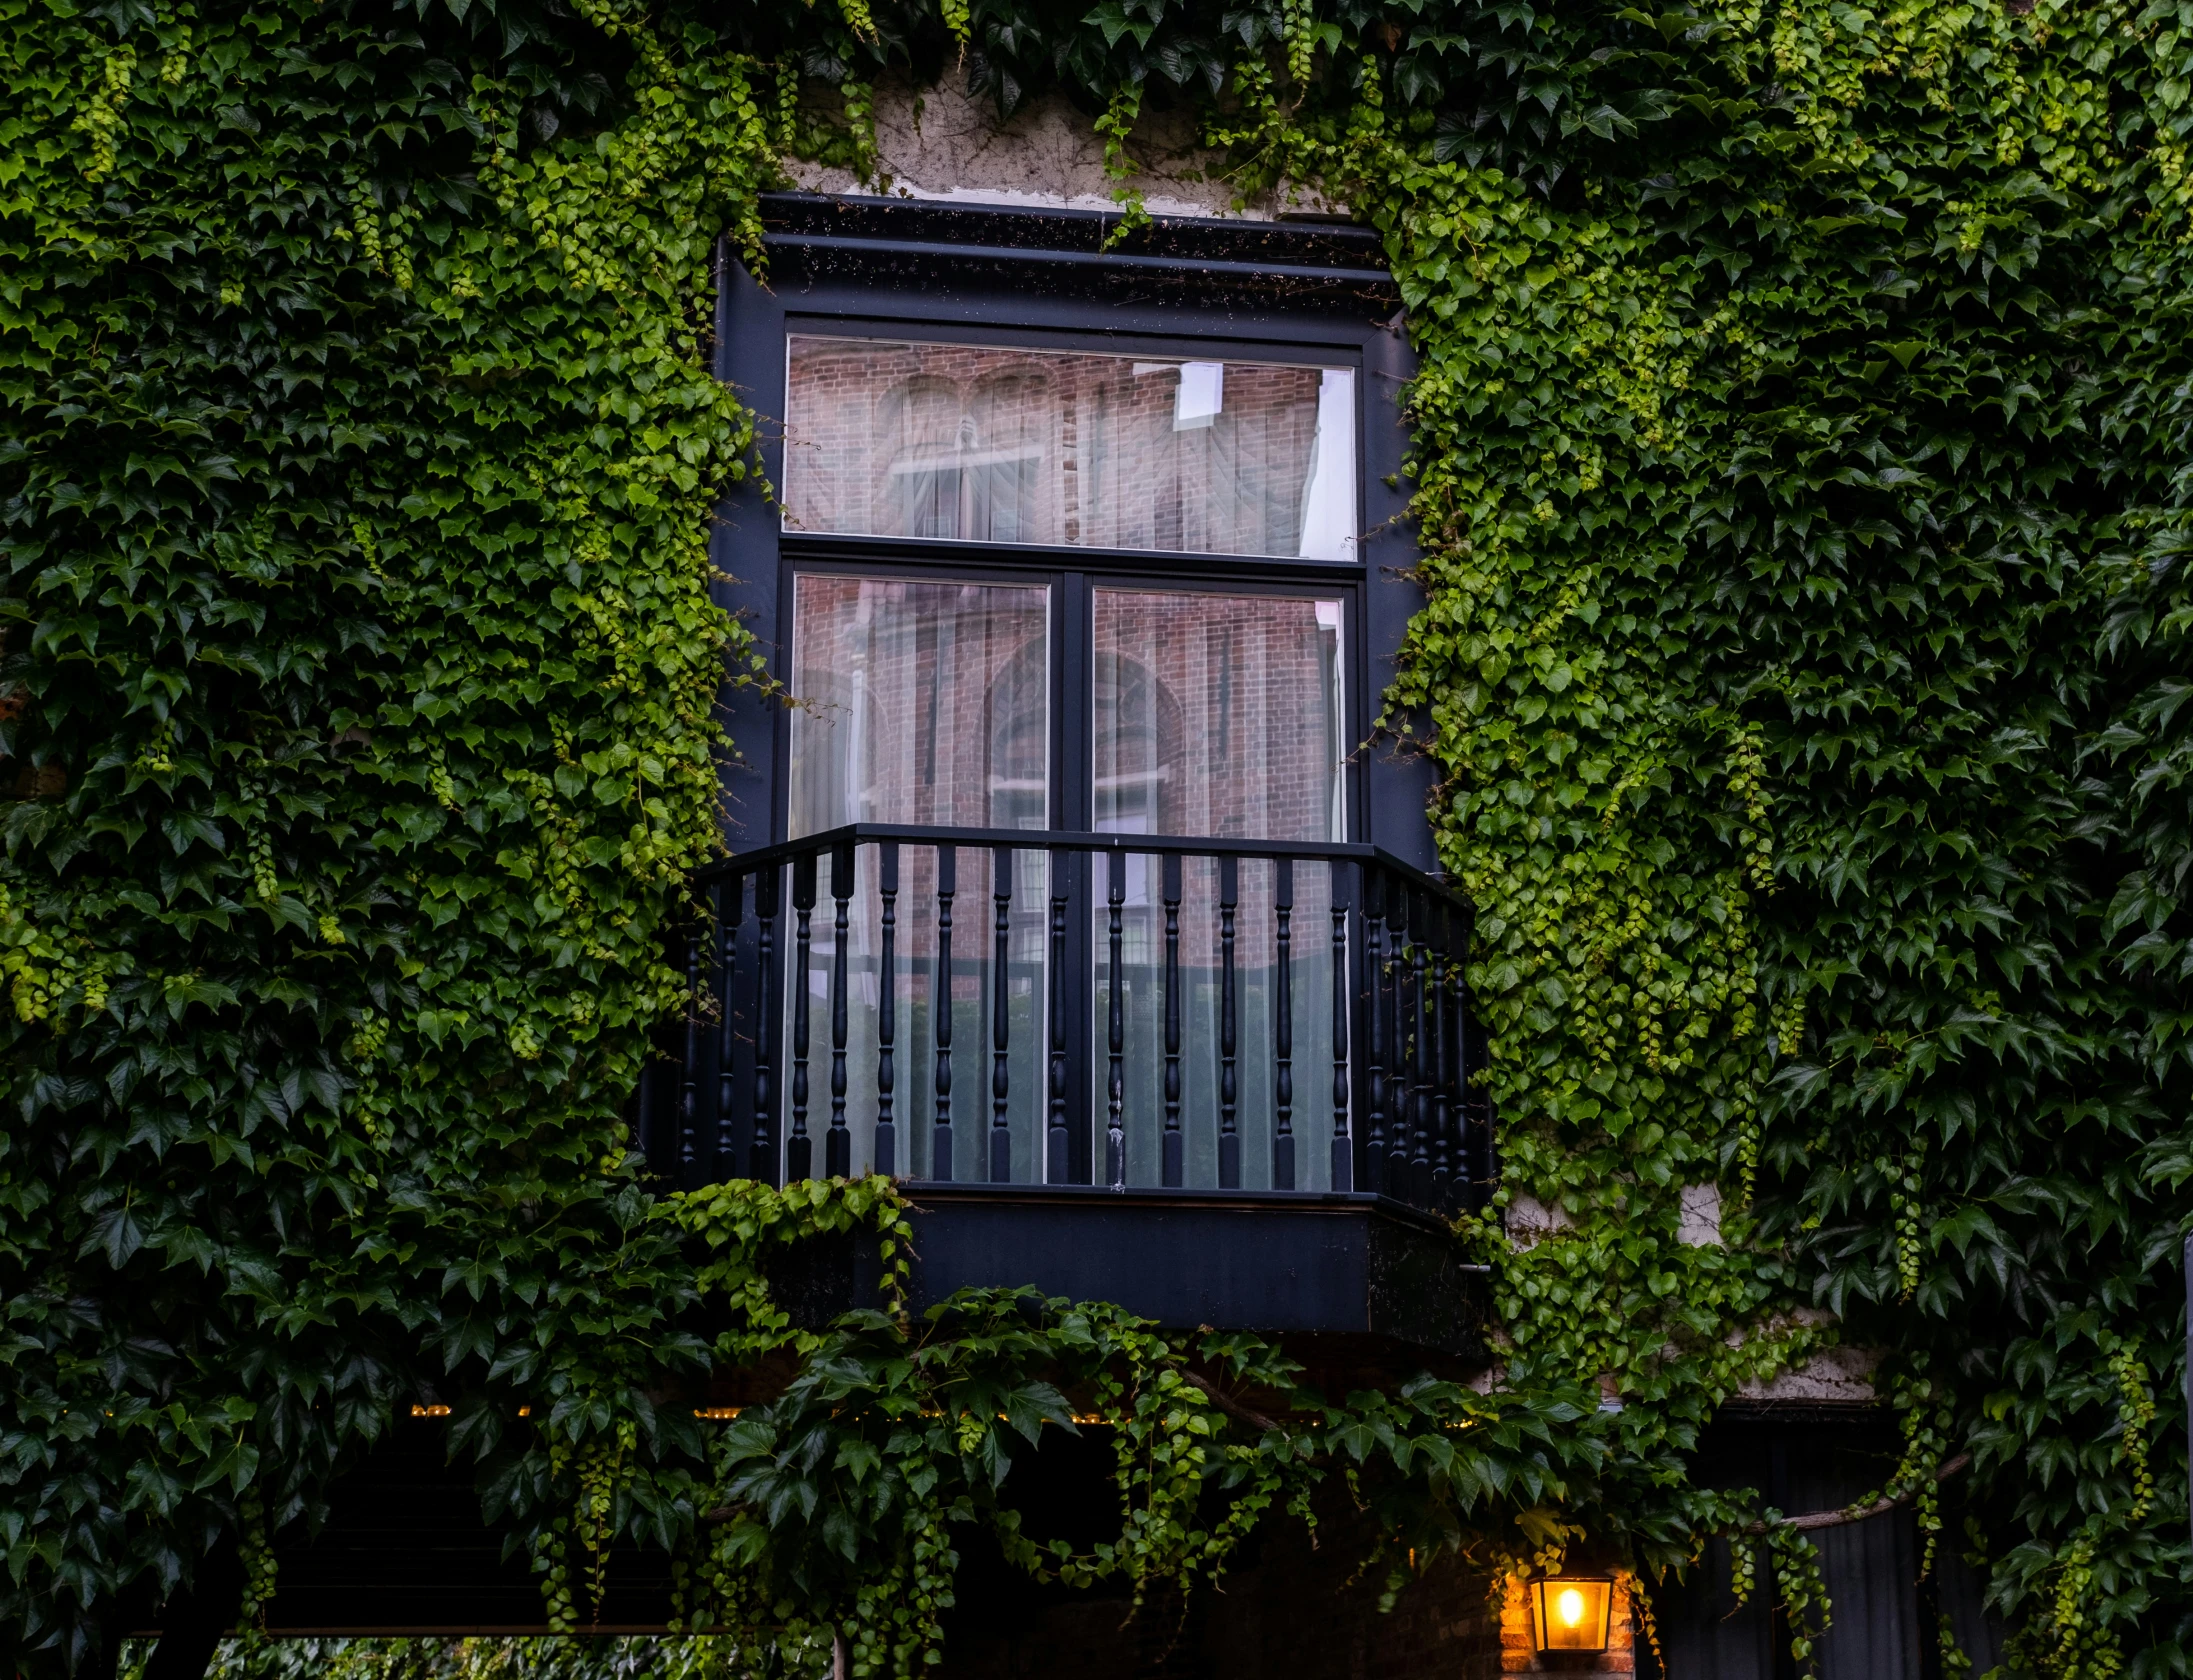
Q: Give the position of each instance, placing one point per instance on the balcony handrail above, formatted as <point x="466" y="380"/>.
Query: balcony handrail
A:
<point x="1072" y="840"/>
<point x="1396" y="942"/>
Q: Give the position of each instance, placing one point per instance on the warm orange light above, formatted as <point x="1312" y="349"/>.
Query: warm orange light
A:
<point x="1573" y="1612"/>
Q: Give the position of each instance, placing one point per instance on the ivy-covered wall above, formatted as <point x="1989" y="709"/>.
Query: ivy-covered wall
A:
<point x="1799" y="468"/>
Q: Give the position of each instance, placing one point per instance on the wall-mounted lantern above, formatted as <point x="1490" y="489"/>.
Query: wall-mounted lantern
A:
<point x="1572" y="1612"/>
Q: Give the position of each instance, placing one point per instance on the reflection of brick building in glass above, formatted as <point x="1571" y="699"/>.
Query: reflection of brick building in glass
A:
<point x="1012" y="445"/>
<point x="1217" y="715"/>
<point x="920" y="703"/>
<point x="930" y="703"/>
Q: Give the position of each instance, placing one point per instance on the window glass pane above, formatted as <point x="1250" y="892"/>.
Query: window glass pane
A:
<point x="920" y="703"/>
<point x="1218" y="714"/>
<point x="975" y="444"/>
<point x="925" y="703"/>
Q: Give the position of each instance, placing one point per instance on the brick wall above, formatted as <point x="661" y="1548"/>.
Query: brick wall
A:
<point x="1519" y="1653"/>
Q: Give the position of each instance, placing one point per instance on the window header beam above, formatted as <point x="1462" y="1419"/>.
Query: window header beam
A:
<point x="1305" y="261"/>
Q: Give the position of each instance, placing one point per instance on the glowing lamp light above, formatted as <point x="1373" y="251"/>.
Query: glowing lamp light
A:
<point x="1572" y="1612"/>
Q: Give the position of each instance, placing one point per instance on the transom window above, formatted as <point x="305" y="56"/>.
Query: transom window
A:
<point x="988" y="444"/>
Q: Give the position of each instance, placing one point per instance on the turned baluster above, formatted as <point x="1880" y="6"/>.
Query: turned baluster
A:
<point x="838" y="1146"/>
<point x="1374" y="965"/>
<point x="1343" y="1163"/>
<point x="1115" y="1137"/>
<point x="1229" y="1139"/>
<point x="763" y="1150"/>
<point x="1174" y="1153"/>
<point x="730" y="907"/>
<point x="1441" y="1061"/>
<point x="1001" y="1019"/>
<point x="1058" y="1167"/>
<point x="799" y="1149"/>
<point x="887" y="1014"/>
<point x="940" y="1008"/>
<point x="1283" y="1025"/>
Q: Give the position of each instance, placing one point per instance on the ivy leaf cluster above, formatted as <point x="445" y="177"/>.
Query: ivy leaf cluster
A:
<point x="845" y="1499"/>
<point x="1802" y="499"/>
<point x="360" y="666"/>
<point x="1799" y="469"/>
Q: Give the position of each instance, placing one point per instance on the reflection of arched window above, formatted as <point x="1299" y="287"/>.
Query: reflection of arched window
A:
<point x="1004" y="470"/>
<point x="1019" y="727"/>
<point x="1138" y="745"/>
<point x="918" y="427"/>
<point x="963" y="463"/>
<point x="919" y="702"/>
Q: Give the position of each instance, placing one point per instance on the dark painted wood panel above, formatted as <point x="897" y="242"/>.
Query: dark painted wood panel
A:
<point x="1331" y="1265"/>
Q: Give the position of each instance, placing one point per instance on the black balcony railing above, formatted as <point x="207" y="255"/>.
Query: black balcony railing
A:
<point x="1124" y="1011"/>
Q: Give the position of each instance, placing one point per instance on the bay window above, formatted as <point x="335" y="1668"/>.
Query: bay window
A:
<point x="1061" y="851"/>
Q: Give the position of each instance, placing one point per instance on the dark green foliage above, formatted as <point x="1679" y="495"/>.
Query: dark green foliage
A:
<point x="844" y="1497"/>
<point x="1802" y="471"/>
<point x="1805" y="494"/>
<point x="360" y="665"/>
<point x="569" y="1658"/>
<point x="1953" y="579"/>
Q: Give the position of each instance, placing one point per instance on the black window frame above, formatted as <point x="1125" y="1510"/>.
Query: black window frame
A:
<point x="1270" y="292"/>
<point x="1250" y="291"/>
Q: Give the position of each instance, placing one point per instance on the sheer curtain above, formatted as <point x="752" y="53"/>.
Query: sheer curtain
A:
<point x="928" y="703"/>
<point x="1219" y="715"/>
